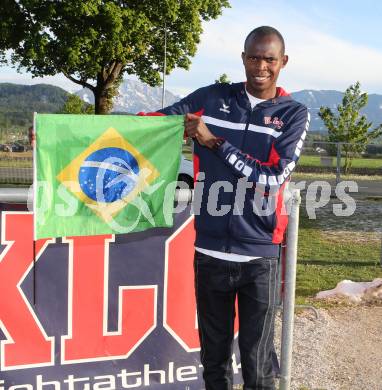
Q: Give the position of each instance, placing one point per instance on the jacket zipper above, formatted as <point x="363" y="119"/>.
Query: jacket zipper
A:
<point x="228" y="240"/>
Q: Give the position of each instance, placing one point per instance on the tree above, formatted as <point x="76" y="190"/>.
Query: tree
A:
<point x="223" y="79"/>
<point x="349" y="126"/>
<point x="95" y="42"/>
<point x="75" y="105"/>
<point x="11" y="26"/>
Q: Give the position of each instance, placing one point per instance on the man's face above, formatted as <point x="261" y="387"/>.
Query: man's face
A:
<point x="263" y="60"/>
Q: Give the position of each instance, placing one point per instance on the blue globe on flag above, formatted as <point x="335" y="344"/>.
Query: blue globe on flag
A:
<point x="108" y="174"/>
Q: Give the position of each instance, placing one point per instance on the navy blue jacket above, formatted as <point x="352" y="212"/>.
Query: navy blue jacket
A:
<point x="262" y="145"/>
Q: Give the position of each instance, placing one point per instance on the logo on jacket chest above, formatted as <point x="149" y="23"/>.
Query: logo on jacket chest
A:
<point x="273" y="121"/>
<point x="225" y="109"/>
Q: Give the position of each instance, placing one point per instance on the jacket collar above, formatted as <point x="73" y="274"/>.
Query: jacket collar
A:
<point x="281" y="92"/>
<point x="281" y="95"/>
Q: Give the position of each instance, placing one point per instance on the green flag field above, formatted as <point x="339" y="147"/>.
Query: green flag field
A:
<point x="102" y="174"/>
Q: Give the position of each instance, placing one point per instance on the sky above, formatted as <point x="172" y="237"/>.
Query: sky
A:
<point x="331" y="44"/>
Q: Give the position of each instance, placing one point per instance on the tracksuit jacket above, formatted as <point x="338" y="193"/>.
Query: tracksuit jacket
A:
<point x="262" y="145"/>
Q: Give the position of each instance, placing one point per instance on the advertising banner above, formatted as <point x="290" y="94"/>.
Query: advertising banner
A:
<point x="98" y="312"/>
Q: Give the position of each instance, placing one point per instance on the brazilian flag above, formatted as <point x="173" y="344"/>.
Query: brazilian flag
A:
<point x="102" y="174"/>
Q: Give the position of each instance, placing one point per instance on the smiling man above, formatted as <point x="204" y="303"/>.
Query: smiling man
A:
<point x="251" y="133"/>
<point x="263" y="58"/>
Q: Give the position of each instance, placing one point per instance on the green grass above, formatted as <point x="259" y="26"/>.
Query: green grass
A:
<point x="16" y="160"/>
<point x="15" y="163"/>
<point x="314" y="161"/>
<point x="324" y="259"/>
<point x="332" y="176"/>
<point x="315" y="244"/>
<point x="313" y="278"/>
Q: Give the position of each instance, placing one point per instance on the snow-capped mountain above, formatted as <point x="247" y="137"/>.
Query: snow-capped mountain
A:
<point x="135" y="96"/>
<point x="316" y="99"/>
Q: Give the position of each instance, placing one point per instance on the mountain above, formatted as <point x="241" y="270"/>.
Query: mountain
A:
<point x="328" y="98"/>
<point x="134" y="96"/>
<point x="18" y="102"/>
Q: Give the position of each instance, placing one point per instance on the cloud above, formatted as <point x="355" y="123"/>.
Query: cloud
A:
<point x="322" y="61"/>
<point x="318" y="60"/>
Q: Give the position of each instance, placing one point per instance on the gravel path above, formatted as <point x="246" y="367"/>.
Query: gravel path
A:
<point x="341" y="350"/>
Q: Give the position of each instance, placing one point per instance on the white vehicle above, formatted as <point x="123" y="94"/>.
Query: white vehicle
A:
<point x="186" y="172"/>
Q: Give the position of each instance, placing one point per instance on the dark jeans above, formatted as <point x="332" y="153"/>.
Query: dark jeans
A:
<point x="217" y="283"/>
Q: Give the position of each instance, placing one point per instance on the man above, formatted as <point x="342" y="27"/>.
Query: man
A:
<point x="246" y="132"/>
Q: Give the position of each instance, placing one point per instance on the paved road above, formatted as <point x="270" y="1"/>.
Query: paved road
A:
<point x="371" y="187"/>
<point x="365" y="187"/>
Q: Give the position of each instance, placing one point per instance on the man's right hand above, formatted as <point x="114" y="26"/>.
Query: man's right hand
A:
<point x="196" y="128"/>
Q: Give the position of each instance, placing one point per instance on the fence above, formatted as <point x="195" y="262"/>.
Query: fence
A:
<point x="340" y="158"/>
<point x="286" y="294"/>
<point x="16" y="168"/>
<point x="318" y="157"/>
<point x="327" y="237"/>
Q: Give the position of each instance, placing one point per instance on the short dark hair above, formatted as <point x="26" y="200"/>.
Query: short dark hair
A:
<point x="264" y="31"/>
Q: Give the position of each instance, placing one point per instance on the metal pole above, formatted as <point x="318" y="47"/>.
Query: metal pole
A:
<point x="338" y="170"/>
<point x="34" y="272"/>
<point x="164" y="66"/>
<point x="289" y="292"/>
<point x="279" y="292"/>
<point x="13" y="195"/>
<point x="25" y="195"/>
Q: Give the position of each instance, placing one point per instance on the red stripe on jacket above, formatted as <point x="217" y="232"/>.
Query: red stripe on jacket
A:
<point x="281" y="215"/>
<point x="141" y="113"/>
